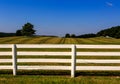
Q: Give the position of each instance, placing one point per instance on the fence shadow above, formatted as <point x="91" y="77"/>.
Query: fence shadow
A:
<point x="38" y="72"/>
<point x="97" y="73"/>
<point x="61" y="73"/>
<point x="43" y="72"/>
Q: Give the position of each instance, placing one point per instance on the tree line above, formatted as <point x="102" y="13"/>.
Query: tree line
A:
<point x="2" y="34"/>
<point x="28" y="30"/>
<point x="113" y="32"/>
<point x="80" y="36"/>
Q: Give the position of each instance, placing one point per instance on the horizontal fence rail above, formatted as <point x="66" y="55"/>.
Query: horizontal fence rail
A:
<point x="72" y="60"/>
<point x="45" y="53"/>
<point x="99" y="68"/>
<point x="42" y="46"/>
<point x="99" y="46"/>
<point x="44" y="67"/>
<point x="5" y="53"/>
<point x="98" y="53"/>
<point x="60" y="60"/>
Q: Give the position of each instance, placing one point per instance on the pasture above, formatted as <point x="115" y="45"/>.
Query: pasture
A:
<point x="57" y="40"/>
<point x="60" y="77"/>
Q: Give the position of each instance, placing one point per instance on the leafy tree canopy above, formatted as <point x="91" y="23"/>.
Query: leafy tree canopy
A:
<point x="111" y="32"/>
<point x="67" y="35"/>
<point x="27" y="29"/>
<point x="19" y="33"/>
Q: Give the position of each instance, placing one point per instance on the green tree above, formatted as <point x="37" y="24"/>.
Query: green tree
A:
<point x="27" y="29"/>
<point x="19" y="33"/>
<point x="67" y="35"/>
<point x="73" y="35"/>
<point x="90" y="35"/>
<point x="112" y="32"/>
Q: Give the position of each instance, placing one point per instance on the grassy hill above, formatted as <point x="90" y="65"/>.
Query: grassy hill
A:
<point x="57" y="40"/>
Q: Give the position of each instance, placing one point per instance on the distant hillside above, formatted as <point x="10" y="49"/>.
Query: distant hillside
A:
<point x="2" y="34"/>
<point x="111" y="32"/>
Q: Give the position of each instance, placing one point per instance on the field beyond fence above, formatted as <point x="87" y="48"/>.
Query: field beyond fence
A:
<point x="58" y="40"/>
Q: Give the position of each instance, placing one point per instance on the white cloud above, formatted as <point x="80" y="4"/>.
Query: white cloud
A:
<point x="109" y="4"/>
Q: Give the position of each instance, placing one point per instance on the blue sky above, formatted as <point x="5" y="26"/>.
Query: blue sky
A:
<point x="58" y="17"/>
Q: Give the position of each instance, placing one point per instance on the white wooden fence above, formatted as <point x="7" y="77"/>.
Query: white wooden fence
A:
<point x="73" y="53"/>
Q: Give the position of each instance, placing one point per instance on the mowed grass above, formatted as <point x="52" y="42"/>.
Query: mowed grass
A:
<point x="8" y="79"/>
<point x="57" y="40"/>
<point x="60" y="77"/>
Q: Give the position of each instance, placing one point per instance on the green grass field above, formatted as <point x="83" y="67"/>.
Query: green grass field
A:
<point x="35" y="79"/>
<point x="58" y="40"/>
<point x="60" y="77"/>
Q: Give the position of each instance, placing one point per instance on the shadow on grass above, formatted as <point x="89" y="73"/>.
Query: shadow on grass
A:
<point x="61" y="73"/>
<point x="97" y="73"/>
<point x="37" y="72"/>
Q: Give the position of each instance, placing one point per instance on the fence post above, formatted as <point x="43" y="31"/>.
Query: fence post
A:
<point x="73" y="61"/>
<point x="14" y="59"/>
